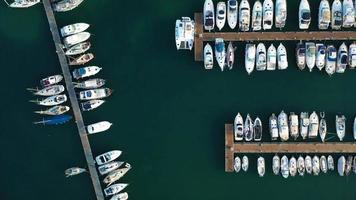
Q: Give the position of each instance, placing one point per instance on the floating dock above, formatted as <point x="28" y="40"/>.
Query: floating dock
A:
<point x="201" y="36"/>
<point x="73" y="100"/>
<point x="282" y="147"/>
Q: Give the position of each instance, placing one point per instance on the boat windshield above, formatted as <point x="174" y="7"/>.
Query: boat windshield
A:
<point x="220" y="47"/>
<point x="221" y="12"/>
<point x="88" y="93"/>
<point x="344" y="59"/>
<point x="306" y="15"/>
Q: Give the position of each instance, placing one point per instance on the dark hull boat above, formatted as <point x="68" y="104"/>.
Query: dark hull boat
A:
<point x="60" y="119"/>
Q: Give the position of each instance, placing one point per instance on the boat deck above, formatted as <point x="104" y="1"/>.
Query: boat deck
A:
<point x="201" y="36"/>
<point x="232" y="147"/>
<point x="73" y="100"/>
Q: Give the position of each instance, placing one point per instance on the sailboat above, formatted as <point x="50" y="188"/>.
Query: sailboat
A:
<point x="261" y="62"/>
<point x="82" y="59"/>
<point x="55" y="120"/>
<point x="78" y="49"/>
<point x="66" y="5"/>
<point x="244" y="16"/>
<point x="276" y="164"/>
<point x="209" y="15"/>
<point x="48" y="91"/>
<point x="23" y="3"/>
<point x="282" y="57"/>
<point x="230" y="57"/>
<point x="313" y="125"/>
<point x="342" y="58"/>
<point x="250" y="55"/>
<point x="257" y="16"/>
<point x="348" y="11"/>
<point x="304" y="14"/>
<point x="283" y="126"/>
<point x="320" y="56"/>
<point x="352" y="55"/>
<point x="324" y="15"/>
<point x="238" y="127"/>
<point x="336" y="15"/>
<point x="116" y="174"/>
<point x="340" y="126"/>
<point x="52" y="100"/>
<point x="271" y="57"/>
<point x="248" y="128"/>
<point x="300" y="54"/>
<point x="310" y="55"/>
<point x="56" y="110"/>
<point x="281" y="13"/>
<point x="208" y="57"/>
<point x="257" y="129"/>
<point x="273" y="127"/>
<point x="74" y="171"/>
<point x="267" y="14"/>
<point x="261" y="166"/>
<point x="220" y="52"/>
<point x="331" y="54"/>
<point x="220" y="15"/>
<point x="120" y="196"/>
<point x="232" y="8"/>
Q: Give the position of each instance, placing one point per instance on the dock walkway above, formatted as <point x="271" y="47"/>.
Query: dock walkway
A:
<point x="73" y="100"/>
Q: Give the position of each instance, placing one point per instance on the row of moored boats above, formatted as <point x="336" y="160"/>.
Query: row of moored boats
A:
<point x="58" y="6"/>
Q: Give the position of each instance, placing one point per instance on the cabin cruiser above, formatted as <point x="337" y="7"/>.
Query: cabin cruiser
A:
<point x="340" y="126"/>
<point x="261" y="62"/>
<point x="324" y="15"/>
<point x="341" y="163"/>
<point x="283" y="126"/>
<point x="50" y="90"/>
<point x="184" y="33"/>
<point x="120" y="196"/>
<point x="322" y="127"/>
<point x="115" y="189"/>
<point x="257" y="16"/>
<point x="86" y="72"/>
<point x="282" y="57"/>
<point x="239" y="127"/>
<point x="95" y="94"/>
<point x="352" y="56"/>
<point x="220" y="52"/>
<point x="232" y="8"/>
<point x="301" y="166"/>
<point x="51" y="80"/>
<point x="90" y="84"/>
<point x="257" y="129"/>
<point x="91" y="105"/>
<point x="304" y="15"/>
<point x="316" y="165"/>
<point x="245" y="164"/>
<point x="23" y="3"/>
<point x="261" y="166"/>
<point x="293" y="125"/>
<point x="81" y="60"/>
<point x="271" y="57"/>
<point x="292" y="166"/>
<point x="230" y="57"/>
<point x="348" y="11"/>
<point x="313" y="125"/>
<point x="244" y="16"/>
<point x="237" y="164"/>
<point x="276" y="164"/>
<point x="348" y="165"/>
<point x="98" y="127"/>
<point x="273" y="127"/>
<point x="331" y="55"/>
<point x="66" y="5"/>
<point x="323" y="164"/>
<point x="320" y="56"/>
<point x="304" y="124"/>
<point x="248" y="128"/>
<point x="109" y="167"/>
<point x="208" y="57"/>
<point x="76" y="39"/>
<point x="116" y="174"/>
<point x="52" y="100"/>
<point x="308" y="164"/>
<point x="220" y="15"/>
<point x="310" y="55"/>
<point x="281" y="13"/>
<point x="342" y="58"/>
<point x="268" y="7"/>
<point x="107" y="157"/>
<point x="300" y="54"/>
<point x="56" y="110"/>
<point x="330" y="163"/>
<point x="209" y="15"/>
<point x="336" y="15"/>
<point x="284" y="167"/>
<point x="73" y="29"/>
<point x="74" y="171"/>
<point x="250" y="56"/>
<point x="78" y="49"/>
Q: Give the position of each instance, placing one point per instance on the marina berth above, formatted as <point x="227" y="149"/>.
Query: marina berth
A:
<point x="280" y="13"/>
<point x="308" y="164"/>
<point x="273" y="127"/>
<point x="320" y="56"/>
<point x="256" y="21"/>
<point x="324" y="15"/>
<point x="209" y="15"/>
<point x="66" y="5"/>
<point x="341" y="164"/>
<point x="232" y="9"/>
<point x="230" y="57"/>
<point x="23" y="3"/>
<point x="109" y="167"/>
<point x="276" y="164"/>
<point x="284" y="167"/>
<point x="74" y="171"/>
<point x="304" y="15"/>
<point x="348" y="165"/>
<point x="78" y="49"/>
<point x="352" y="55"/>
<point x="56" y="110"/>
<point x="85" y="72"/>
<point x="52" y="100"/>
<point x="238" y="127"/>
<point x="304" y="124"/>
<point x="340" y="126"/>
<point x="73" y="29"/>
<point x="90" y="84"/>
<point x="244" y="16"/>
<point x="261" y="57"/>
<point x="310" y="55"/>
<point x="220" y="15"/>
<point x="316" y="165"/>
<point x="95" y="94"/>
<point x="292" y="166"/>
<point x="248" y="128"/>
<point x="282" y="57"/>
<point x="107" y="157"/>
<point x="271" y="57"/>
<point x="294" y="125"/>
<point x="208" y="57"/>
<point x="313" y="125"/>
<point x="98" y="127"/>
<point x="323" y="164"/>
<point x="237" y="164"/>
<point x="336" y="15"/>
<point x="245" y="163"/>
<point x="342" y="58"/>
<point x="82" y="59"/>
<point x="54" y="120"/>
<point x="76" y="39"/>
<point x="268" y="8"/>
<point x="348" y="11"/>
<point x="331" y="55"/>
<point x="116" y="174"/>
<point x="51" y="80"/>
<point x="115" y="189"/>
<point x="220" y="53"/>
<point x="120" y="196"/>
<point x="261" y="166"/>
<point x="91" y="105"/>
<point x="283" y="126"/>
<point x="301" y="166"/>
<point x="250" y="56"/>
<point x="301" y="55"/>
<point x="257" y="129"/>
<point x="330" y="163"/>
<point x="322" y="127"/>
<point x="184" y="33"/>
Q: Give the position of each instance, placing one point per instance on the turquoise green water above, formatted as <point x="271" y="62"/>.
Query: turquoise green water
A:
<point x="168" y="113"/>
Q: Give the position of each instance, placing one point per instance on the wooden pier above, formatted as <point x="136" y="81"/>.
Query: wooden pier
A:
<point x="201" y="36"/>
<point x="73" y="100"/>
<point x="282" y="147"/>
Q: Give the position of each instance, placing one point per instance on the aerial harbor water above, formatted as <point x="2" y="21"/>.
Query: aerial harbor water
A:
<point x="168" y="112"/>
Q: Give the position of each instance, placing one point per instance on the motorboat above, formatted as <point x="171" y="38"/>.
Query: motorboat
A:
<point x="283" y="126"/>
<point x="261" y="57"/>
<point x="109" y="167"/>
<point x="220" y="15"/>
<point x="324" y="15"/>
<point x="342" y="58"/>
<point x="282" y="57"/>
<point x="91" y="105"/>
<point x="308" y="164"/>
<point x="107" y="157"/>
<point x="239" y="127"/>
<point x="49" y="91"/>
<point x="232" y="9"/>
<point x="55" y="110"/>
<point x="90" y="84"/>
<point x="273" y="127"/>
<point x="244" y="16"/>
<point x="320" y="56"/>
<point x="208" y="57"/>
<point x="76" y="39"/>
<point x="54" y="120"/>
<point x="78" y="49"/>
<point x="73" y="29"/>
<point x="120" y="196"/>
<point x="313" y="125"/>
<point x="261" y="166"/>
<point x="51" y="80"/>
<point x="331" y="55"/>
<point x="250" y="56"/>
<point x="257" y="129"/>
<point x="336" y="15"/>
<point x="284" y="167"/>
<point x="348" y="165"/>
<point x="52" y="100"/>
<point x="304" y="15"/>
<point x="256" y="20"/>
<point x="116" y="174"/>
<point x="330" y="163"/>
<point x="66" y="5"/>
<point x="245" y="163"/>
<point x="293" y="125"/>
<point x="341" y="164"/>
<point x="267" y="13"/>
<point x="184" y="33"/>
<point x="86" y="72"/>
<point x="237" y="164"/>
<point x="95" y="94"/>
<point x="292" y="166"/>
<point x="98" y="127"/>
<point x="310" y="55"/>
<point x="352" y="55"/>
<point x="82" y="59"/>
<point x="316" y="165"/>
<point x="248" y="128"/>
<point x="115" y="189"/>
<point x="280" y="13"/>
<point x="220" y="52"/>
<point x="322" y="127"/>
<point x="354" y="165"/>
<point x="271" y="57"/>
<point x="301" y="166"/>
<point x="23" y="3"/>
<point x="323" y="164"/>
<point x="354" y="128"/>
<point x="300" y="54"/>
<point x="209" y="15"/>
<point x="340" y="126"/>
<point x="276" y="164"/>
<point x="348" y="11"/>
<point x="230" y="57"/>
<point x="304" y="124"/>
<point x="74" y="171"/>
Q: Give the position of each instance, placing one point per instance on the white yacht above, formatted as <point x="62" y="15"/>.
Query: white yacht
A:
<point x="232" y="9"/>
<point x="352" y="56"/>
<point x="245" y="163"/>
<point x="292" y="166"/>
<point x="109" y="167"/>
<point x="220" y="52"/>
<point x="276" y="164"/>
<point x="238" y="127"/>
<point x="268" y="8"/>
<point x="320" y="56"/>
<point x="78" y="49"/>
<point x="324" y="15"/>
<point x="98" y="127"/>
<point x="322" y="127"/>
<point x="300" y="55"/>
<point x="120" y="196"/>
<point x="331" y="55"/>
<point x="51" y="80"/>
<point x="304" y="15"/>
<point x="308" y="164"/>
<point x="271" y="57"/>
<point x="230" y="57"/>
<point x="91" y="105"/>
<point x="261" y="58"/>
<point x="283" y="126"/>
<point x="336" y="15"/>
<point x="52" y="100"/>
<point x="115" y="189"/>
<point x="248" y="128"/>
<point x="330" y="163"/>
<point x="323" y="164"/>
<point x="116" y="174"/>
<point x="282" y="57"/>
<point x="341" y="163"/>
<point x="340" y="126"/>
<point x="342" y="58"/>
<point x="220" y="15"/>
<point x="209" y="15"/>
<point x="257" y="129"/>
<point x="310" y="55"/>
<point x="90" y="84"/>
<point x="237" y="164"/>
<point x="348" y="11"/>
<point x="184" y="33"/>
<point x="208" y="57"/>
<point x="261" y="166"/>
<point x="244" y="16"/>
<point x="76" y="39"/>
<point x="301" y="166"/>
<point x="73" y="29"/>
<point x="257" y="16"/>
<point x="313" y="125"/>
<point x="273" y="127"/>
<point x="284" y="167"/>
<point x="23" y="3"/>
<point x="85" y="72"/>
<point x="55" y="110"/>
<point x="316" y="165"/>
<point x="293" y="125"/>
<point x="250" y="56"/>
<point x="107" y="157"/>
<point x="98" y="93"/>
<point x="281" y="13"/>
<point x="304" y="124"/>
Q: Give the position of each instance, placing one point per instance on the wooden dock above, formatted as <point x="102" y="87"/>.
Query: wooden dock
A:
<point x="73" y="100"/>
<point x="232" y="147"/>
<point x="201" y="36"/>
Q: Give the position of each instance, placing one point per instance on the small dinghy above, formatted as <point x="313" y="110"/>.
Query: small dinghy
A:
<point x="282" y="57"/>
<point x="268" y="7"/>
<point x="261" y="166"/>
<point x="244" y="16"/>
<point x="209" y="15"/>
<point x="276" y="164"/>
<point x="331" y="60"/>
<point x="340" y="126"/>
<point x="304" y="15"/>
<point x="281" y="13"/>
<point x="283" y="126"/>
<point x="49" y="91"/>
<point x="52" y="101"/>
<point x="208" y="57"/>
<point x="120" y="196"/>
<point x="284" y="167"/>
<point x="90" y="84"/>
<point x="55" y="120"/>
<point x="257" y="16"/>
<point x="74" y="171"/>
<point x="107" y="157"/>
<point x="348" y="11"/>
<point x="78" y="49"/>
<point x="348" y="165"/>
<point x="220" y="52"/>
<point x="250" y="56"/>
<point x="66" y="5"/>
<point x="341" y="163"/>
<point x="115" y="189"/>
<point x="336" y="15"/>
<point x="230" y="57"/>
<point x="352" y="56"/>
<point x="56" y="110"/>
<point x="23" y="3"/>
<point x="261" y="57"/>
<point x="342" y="58"/>
<point x="320" y="56"/>
<point x="73" y="29"/>
<point x="324" y="15"/>
<point x="308" y="164"/>
<point x="313" y="125"/>
<point x="330" y="163"/>
<point x="257" y="129"/>
<point x="316" y="165"/>
<point x="238" y="127"/>
<point x="109" y="167"/>
<point x="232" y="8"/>
<point x="248" y="128"/>
<point x="245" y="163"/>
<point x="322" y="127"/>
<point x="51" y="80"/>
<point x="237" y="164"/>
<point x="220" y="15"/>
<point x="81" y="60"/>
<point x="271" y="57"/>
<point x="98" y="127"/>
<point x="323" y="164"/>
<point x="301" y="54"/>
<point x="310" y="55"/>
<point x="273" y="127"/>
<point x="293" y="125"/>
<point x="301" y="166"/>
<point x="76" y="39"/>
<point x="292" y="166"/>
<point x="304" y="124"/>
<point x="86" y="72"/>
<point x="91" y="105"/>
<point x="116" y="174"/>
<point x="95" y="94"/>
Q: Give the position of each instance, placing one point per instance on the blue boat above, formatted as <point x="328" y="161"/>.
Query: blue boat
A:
<point x="55" y="120"/>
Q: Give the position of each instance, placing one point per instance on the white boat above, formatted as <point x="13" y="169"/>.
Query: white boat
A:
<point x="73" y="29"/>
<point x="220" y="15"/>
<point x="323" y="164"/>
<point x="52" y="101"/>
<point x="324" y="15"/>
<point x="316" y="165"/>
<point x="292" y="166"/>
<point x="276" y="164"/>
<point x="261" y="166"/>
<point x="261" y="57"/>
<point x="23" y="3"/>
<point x="308" y="164"/>
<point x="348" y="11"/>
<point x="268" y="7"/>
<point x="340" y="126"/>
<point x="115" y="189"/>
<point x="51" y="80"/>
<point x="76" y="39"/>
<point x="257" y="129"/>
<point x="342" y="58"/>
<point x="352" y="56"/>
<point x="304" y="124"/>
<point x="245" y="163"/>
<point x="91" y="105"/>
<point x="336" y="15"/>
<point x="280" y="13"/>
<point x="248" y="128"/>
<point x="284" y="167"/>
<point x="209" y="15"/>
<point x="250" y="56"/>
<point x="98" y="127"/>
<point x="74" y="171"/>
<point x="301" y="166"/>
<point x="95" y="94"/>
<point x="230" y="57"/>
<point x="66" y="5"/>
<point x="107" y="157"/>
<point x="109" y="167"/>
<point x="341" y="163"/>
<point x="310" y="55"/>
<point x="237" y="164"/>
<point x="238" y="127"/>
<point x="256" y="16"/>
<point x="78" y="49"/>
<point x="304" y="14"/>
<point x="300" y="55"/>
<point x="330" y="163"/>
<point x="116" y="174"/>
<point x="50" y="90"/>
<point x="282" y="57"/>
<point x="283" y="126"/>
<point x="273" y="127"/>
<point x="220" y="52"/>
<point x="86" y="72"/>
<point x="293" y="125"/>
<point x="232" y="9"/>
<point x="120" y="196"/>
<point x="320" y="56"/>
<point x="184" y="33"/>
<point x="90" y="84"/>
<point x="81" y="59"/>
<point x="56" y="110"/>
<point x="354" y="128"/>
<point x="313" y="125"/>
<point x="244" y="16"/>
<point x="208" y="57"/>
<point x="331" y="55"/>
<point x="271" y="57"/>
<point x="322" y="127"/>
